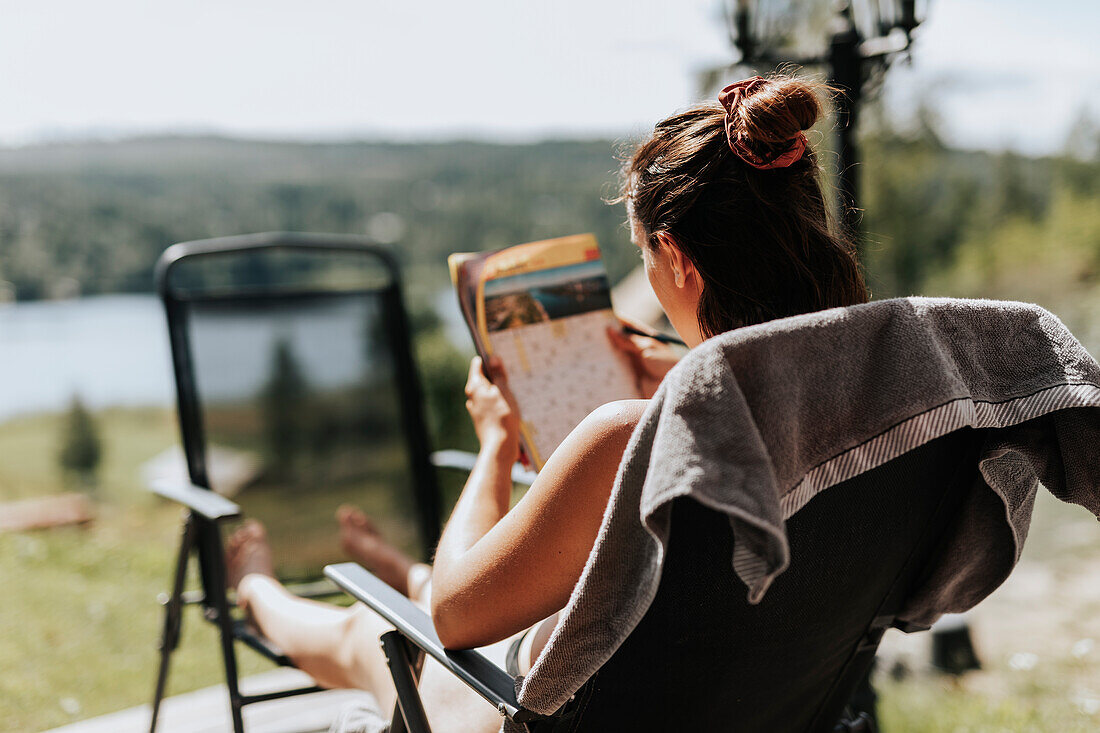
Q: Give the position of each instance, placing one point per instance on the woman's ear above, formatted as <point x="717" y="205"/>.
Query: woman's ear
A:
<point x="683" y="270"/>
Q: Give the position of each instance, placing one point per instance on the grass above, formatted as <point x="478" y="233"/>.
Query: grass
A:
<point x="937" y="705"/>
<point x="1060" y="693"/>
<point x="80" y="621"/>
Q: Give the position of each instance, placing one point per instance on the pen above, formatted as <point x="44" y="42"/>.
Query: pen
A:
<point x="657" y="336"/>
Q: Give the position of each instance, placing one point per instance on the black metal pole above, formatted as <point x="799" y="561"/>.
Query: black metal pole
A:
<point x="847" y="57"/>
<point x="847" y="74"/>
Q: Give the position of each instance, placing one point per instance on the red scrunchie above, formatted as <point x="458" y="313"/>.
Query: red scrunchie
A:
<point x="730" y="98"/>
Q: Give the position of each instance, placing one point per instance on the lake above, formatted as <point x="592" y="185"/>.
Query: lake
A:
<point x="111" y="350"/>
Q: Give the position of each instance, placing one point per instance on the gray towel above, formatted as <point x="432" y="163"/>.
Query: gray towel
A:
<point x="757" y="421"/>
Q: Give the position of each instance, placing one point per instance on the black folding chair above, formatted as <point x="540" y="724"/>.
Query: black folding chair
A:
<point x="297" y="391"/>
<point x="703" y="658"/>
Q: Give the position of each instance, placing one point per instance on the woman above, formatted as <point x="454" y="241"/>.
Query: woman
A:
<point x="725" y="206"/>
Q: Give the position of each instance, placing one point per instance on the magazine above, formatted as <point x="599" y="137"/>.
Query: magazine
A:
<point x="544" y="308"/>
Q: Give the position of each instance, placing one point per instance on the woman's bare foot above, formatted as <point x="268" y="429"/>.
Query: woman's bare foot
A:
<point x="361" y="541"/>
<point x="247" y="552"/>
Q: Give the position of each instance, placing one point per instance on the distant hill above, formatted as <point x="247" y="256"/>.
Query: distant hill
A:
<point x="100" y="213"/>
<point x="94" y="216"/>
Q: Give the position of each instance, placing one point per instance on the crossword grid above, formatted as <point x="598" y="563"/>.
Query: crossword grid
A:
<point x="560" y="371"/>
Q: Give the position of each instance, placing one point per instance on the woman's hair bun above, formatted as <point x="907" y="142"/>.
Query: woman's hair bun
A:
<point x="736" y="188"/>
<point x="778" y="109"/>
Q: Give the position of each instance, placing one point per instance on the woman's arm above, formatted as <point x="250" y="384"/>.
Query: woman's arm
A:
<point x="497" y="571"/>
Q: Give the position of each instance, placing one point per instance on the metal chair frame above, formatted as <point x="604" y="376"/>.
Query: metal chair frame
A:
<point x="206" y="510"/>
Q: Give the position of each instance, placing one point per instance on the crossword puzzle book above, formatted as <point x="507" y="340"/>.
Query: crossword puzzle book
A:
<point x="544" y="309"/>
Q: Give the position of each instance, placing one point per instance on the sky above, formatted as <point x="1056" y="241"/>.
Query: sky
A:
<point x="1002" y="73"/>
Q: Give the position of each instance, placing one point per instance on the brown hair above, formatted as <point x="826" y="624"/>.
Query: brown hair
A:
<point x="760" y="239"/>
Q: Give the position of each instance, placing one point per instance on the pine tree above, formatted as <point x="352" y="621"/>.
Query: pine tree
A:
<point x="81" y="448"/>
<point x="283" y="404"/>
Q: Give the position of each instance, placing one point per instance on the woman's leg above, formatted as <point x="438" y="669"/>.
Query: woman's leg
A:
<point x="363" y="543"/>
<point x="339" y="647"/>
<point x="336" y="646"/>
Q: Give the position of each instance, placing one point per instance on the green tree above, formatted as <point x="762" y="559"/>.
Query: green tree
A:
<point x="283" y="404"/>
<point x="81" y="447"/>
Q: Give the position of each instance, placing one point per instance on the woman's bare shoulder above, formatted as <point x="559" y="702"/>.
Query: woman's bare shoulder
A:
<point x="607" y="428"/>
<point x="601" y="436"/>
<point x="617" y="416"/>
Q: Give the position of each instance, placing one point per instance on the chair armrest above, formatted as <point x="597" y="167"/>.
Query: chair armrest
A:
<point x="472" y="667"/>
<point x="204" y="502"/>
<point x="461" y="460"/>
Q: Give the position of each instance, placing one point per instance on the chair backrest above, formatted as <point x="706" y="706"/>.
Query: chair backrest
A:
<point x="703" y="658"/>
<point x="297" y="390"/>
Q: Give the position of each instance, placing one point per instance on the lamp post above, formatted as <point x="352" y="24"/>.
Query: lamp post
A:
<point x="862" y="39"/>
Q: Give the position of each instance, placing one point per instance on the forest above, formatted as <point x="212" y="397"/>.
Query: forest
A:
<point x="92" y="217"/>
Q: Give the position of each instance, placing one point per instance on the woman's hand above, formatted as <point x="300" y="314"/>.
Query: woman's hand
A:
<point x="649" y="358"/>
<point x="493" y="408"/>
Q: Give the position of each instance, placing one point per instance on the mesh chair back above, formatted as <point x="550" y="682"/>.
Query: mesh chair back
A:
<point x="702" y="658"/>
<point x="297" y="390"/>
